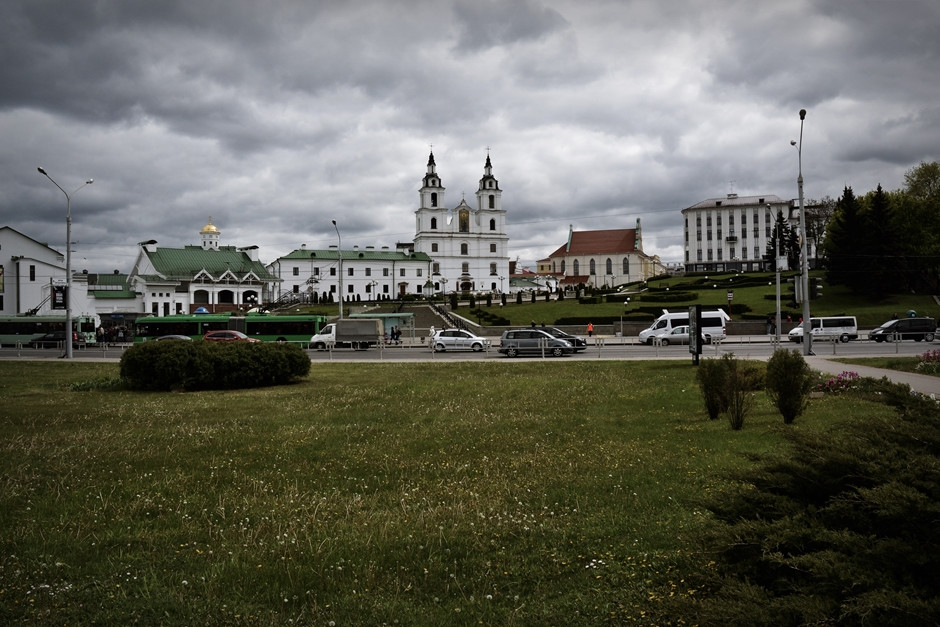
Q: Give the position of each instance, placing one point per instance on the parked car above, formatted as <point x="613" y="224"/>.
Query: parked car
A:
<point x="533" y="341"/>
<point x="916" y="329"/>
<point x="713" y="324"/>
<point x="172" y="337"/>
<point x="457" y="339"/>
<point x="680" y="335"/>
<point x="228" y="336"/>
<point x="56" y="339"/>
<point x="577" y="343"/>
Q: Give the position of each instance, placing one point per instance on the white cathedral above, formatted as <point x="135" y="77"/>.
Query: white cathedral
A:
<point x="468" y="245"/>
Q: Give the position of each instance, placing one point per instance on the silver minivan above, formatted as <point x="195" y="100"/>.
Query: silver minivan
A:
<point x="533" y="342"/>
<point x="832" y="328"/>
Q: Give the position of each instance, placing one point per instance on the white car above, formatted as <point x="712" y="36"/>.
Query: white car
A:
<point x="458" y="339"/>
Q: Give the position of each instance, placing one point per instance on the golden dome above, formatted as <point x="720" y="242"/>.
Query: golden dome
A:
<point x="209" y="228"/>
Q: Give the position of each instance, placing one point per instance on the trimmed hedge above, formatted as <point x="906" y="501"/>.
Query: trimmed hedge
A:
<point x="199" y="365"/>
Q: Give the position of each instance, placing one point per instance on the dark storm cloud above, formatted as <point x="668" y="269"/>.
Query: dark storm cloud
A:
<point x="276" y="117"/>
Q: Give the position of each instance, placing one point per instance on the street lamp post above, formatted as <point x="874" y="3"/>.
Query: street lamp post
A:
<point x="68" y="258"/>
<point x="339" y="250"/>
<point x="804" y="278"/>
<point x="444" y="289"/>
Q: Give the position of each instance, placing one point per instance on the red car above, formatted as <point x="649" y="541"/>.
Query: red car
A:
<point x="228" y="336"/>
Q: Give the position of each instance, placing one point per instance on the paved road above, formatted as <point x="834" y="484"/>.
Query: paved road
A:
<point x="604" y="348"/>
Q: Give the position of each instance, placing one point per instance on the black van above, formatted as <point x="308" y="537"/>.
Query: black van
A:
<point x="916" y="329"/>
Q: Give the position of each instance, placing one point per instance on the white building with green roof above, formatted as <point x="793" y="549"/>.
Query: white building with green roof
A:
<point x="217" y="278"/>
<point x="368" y="274"/>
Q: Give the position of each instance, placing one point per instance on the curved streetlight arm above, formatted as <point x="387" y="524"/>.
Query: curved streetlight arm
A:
<point x="68" y="257"/>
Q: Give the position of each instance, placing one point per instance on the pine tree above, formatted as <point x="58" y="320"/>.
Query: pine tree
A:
<point x="845" y="244"/>
<point x="881" y="263"/>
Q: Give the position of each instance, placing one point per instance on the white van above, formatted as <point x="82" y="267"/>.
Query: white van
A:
<point x="841" y="328"/>
<point x="713" y="325"/>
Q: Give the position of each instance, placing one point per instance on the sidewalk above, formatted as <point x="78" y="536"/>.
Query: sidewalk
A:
<point x="925" y="384"/>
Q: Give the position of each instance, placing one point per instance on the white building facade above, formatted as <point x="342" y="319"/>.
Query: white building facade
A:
<point x="468" y="245"/>
<point x="360" y="274"/>
<point x="731" y="233"/>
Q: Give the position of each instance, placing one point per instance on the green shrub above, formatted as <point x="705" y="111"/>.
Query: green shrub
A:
<point x="211" y="365"/>
<point x="789" y="380"/>
<point x="712" y="378"/>
<point x="839" y="528"/>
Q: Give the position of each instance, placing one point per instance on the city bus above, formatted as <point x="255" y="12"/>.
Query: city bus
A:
<point x="21" y="328"/>
<point x="265" y="327"/>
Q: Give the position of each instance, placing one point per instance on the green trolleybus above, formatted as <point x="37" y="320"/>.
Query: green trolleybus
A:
<point x="20" y="329"/>
<point x="265" y="327"/>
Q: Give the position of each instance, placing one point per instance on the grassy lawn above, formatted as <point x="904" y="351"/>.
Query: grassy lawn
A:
<point x="754" y="292"/>
<point x="511" y="493"/>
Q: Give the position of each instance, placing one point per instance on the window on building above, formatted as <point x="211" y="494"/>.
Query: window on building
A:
<point x="463" y="220"/>
<point x="718" y="221"/>
<point x="433" y="204"/>
<point x="609" y="266"/>
<point x="368" y="271"/>
<point x="296" y="271"/>
<point x="767" y="218"/>
<point x="756" y="254"/>
<point x="767" y="232"/>
<point x="492" y="269"/>
<point x="576" y="266"/>
<point x="465" y="268"/>
<point x="296" y="289"/>
<point x="757" y="232"/>
<point x="698" y="235"/>
<point x="698" y="220"/>
<point x="435" y="268"/>
<point x="733" y="252"/>
<point x="492" y="225"/>
<point x="710" y="254"/>
<point x="699" y="255"/>
<point x="731" y="222"/>
<point x="626" y="266"/>
<point x="433" y="223"/>
<point x="493" y="248"/>
<point x="719" y="233"/>
<point x="351" y="289"/>
<point x="385" y="289"/>
<point x="385" y="272"/>
<point x="592" y="267"/>
<point x="32" y="274"/>
<point x="708" y="221"/>
<point x="464" y="249"/>
<point x="434" y="247"/>
<point x="401" y="272"/>
<point x="351" y="271"/>
<point x="316" y="272"/>
<point x="418" y="272"/>
<point x="743" y="219"/>
<point x="708" y="235"/>
<point x="333" y="271"/>
<point x="562" y="266"/>
<point x="492" y="206"/>
<point x="720" y="254"/>
<point x="743" y="232"/>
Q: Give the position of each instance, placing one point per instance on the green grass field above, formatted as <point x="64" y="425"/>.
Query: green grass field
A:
<point x="511" y="493"/>
<point x="754" y="298"/>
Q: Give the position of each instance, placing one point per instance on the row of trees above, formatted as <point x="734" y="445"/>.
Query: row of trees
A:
<point x="876" y="244"/>
<point x="887" y="242"/>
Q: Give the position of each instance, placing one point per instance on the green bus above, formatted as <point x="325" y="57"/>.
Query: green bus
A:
<point x="265" y="327"/>
<point x="21" y="328"/>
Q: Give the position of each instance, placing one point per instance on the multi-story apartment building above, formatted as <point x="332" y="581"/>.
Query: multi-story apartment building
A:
<point x="731" y="233"/>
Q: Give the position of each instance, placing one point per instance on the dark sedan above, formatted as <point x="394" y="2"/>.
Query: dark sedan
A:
<point x="578" y="343"/>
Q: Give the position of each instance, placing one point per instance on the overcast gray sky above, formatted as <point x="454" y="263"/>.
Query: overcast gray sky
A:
<point x="276" y="117"/>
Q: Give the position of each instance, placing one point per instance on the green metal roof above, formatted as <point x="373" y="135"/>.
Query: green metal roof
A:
<point x="110" y="286"/>
<point x="185" y="263"/>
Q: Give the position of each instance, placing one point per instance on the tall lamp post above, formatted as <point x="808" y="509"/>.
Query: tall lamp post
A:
<point x="444" y="289"/>
<point x="804" y="278"/>
<point x="68" y="258"/>
<point x="340" y="251"/>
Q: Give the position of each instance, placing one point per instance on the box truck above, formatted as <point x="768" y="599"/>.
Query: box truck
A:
<point x="355" y="333"/>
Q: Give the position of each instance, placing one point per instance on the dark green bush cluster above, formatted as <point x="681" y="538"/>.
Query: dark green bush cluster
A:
<point x="840" y="528"/>
<point x="673" y="296"/>
<point x="728" y="385"/>
<point x="178" y="365"/>
<point x="492" y="319"/>
<point x="789" y="380"/>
